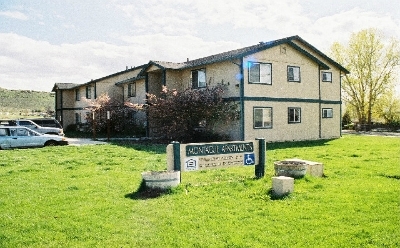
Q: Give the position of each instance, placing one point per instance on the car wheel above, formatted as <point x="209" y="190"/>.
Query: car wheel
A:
<point x="50" y="143"/>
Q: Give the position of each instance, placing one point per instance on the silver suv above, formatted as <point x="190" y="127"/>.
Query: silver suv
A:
<point x="23" y="137"/>
<point x="43" y="130"/>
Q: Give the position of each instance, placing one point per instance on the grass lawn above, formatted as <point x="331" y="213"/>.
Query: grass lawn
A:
<point x="88" y="197"/>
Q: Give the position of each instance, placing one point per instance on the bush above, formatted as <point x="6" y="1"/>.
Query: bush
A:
<point x="190" y="115"/>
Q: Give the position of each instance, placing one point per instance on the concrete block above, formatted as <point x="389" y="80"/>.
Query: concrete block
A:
<point x="282" y="185"/>
<point x="315" y="169"/>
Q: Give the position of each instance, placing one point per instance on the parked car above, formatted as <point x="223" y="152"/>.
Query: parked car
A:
<point x="47" y="122"/>
<point x="8" y="123"/>
<point x="32" y="125"/>
<point x="23" y="137"/>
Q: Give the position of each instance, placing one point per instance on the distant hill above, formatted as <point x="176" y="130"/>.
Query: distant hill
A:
<point x="25" y="102"/>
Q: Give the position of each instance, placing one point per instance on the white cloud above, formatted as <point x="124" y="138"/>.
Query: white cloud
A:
<point x="26" y="63"/>
<point x="14" y="14"/>
<point x="182" y="17"/>
<point x="339" y="27"/>
<point x="168" y="30"/>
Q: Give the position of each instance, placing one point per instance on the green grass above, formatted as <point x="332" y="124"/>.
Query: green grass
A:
<point x="23" y="103"/>
<point x="88" y="197"/>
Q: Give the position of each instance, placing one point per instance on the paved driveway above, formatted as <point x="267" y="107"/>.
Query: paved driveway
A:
<point x="83" y="141"/>
<point x="374" y="133"/>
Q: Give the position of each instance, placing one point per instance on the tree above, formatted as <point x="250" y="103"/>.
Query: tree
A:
<point x="372" y="65"/>
<point x="120" y="121"/>
<point x="346" y="120"/>
<point x="388" y="108"/>
<point x="186" y="116"/>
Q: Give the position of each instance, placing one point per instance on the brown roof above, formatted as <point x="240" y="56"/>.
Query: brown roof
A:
<point x="63" y="86"/>
<point x="239" y="53"/>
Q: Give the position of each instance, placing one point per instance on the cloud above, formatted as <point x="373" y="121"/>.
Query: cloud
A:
<point x="14" y="14"/>
<point x="182" y="17"/>
<point x="339" y="27"/>
<point x="280" y="18"/>
<point x="167" y="30"/>
<point x="26" y="63"/>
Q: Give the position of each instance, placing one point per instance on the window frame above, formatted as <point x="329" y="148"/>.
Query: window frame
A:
<point x="88" y="92"/>
<point x="262" y="121"/>
<point x="77" y="95"/>
<point x="260" y="64"/>
<point x="294" y="77"/>
<point x="132" y="89"/>
<point x="329" y="80"/>
<point x="294" y="121"/>
<point x="196" y="83"/>
<point x="78" y="118"/>
<point x="326" y="110"/>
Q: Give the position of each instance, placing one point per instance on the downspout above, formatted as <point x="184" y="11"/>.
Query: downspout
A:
<point x="61" y="108"/>
<point x="242" y="100"/>
<point x="95" y="90"/>
<point x="55" y="104"/>
<point x="164" y="77"/>
<point x="340" y="93"/>
<point x="146" y="89"/>
<point x="319" y="103"/>
<point x="123" y="93"/>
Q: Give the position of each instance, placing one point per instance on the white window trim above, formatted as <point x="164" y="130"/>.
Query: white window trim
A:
<point x="132" y="93"/>
<point x="329" y="78"/>
<point x="293" y="120"/>
<point x="296" y="74"/>
<point x="265" y="119"/>
<point x="200" y="80"/>
<point x="264" y="73"/>
<point x="327" y="113"/>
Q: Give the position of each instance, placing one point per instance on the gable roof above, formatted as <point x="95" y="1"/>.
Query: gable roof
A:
<point x="242" y="52"/>
<point x="63" y="86"/>
<point x="69" y="86"/>
<point x="220" y="57"/>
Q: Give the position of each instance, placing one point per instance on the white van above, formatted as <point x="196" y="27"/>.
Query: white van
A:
<point x="43" y="130"/>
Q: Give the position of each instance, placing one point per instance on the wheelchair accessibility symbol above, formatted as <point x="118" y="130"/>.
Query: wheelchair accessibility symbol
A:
<point x="249" y="159"/>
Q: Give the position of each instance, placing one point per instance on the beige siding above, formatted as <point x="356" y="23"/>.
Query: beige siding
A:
<point x="140" y="96"/>
<point x="311" y="94"/>
<point x="175" y="80"/>
<point x="331" y="127"/>
<point x="281" y="129"/>
<point x="280" y="87"/>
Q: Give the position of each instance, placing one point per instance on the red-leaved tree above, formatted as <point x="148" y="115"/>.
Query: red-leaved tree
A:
<point x="121" y="117"/>
<point x="190" y="115"/>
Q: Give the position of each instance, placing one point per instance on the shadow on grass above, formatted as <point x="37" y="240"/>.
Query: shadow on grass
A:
<point x="293" y="144"/>
<point x="143" y="193"/>
<point x="141" y="146"/>
<point x="273" y="196"/>
<point x="391" y="176"/>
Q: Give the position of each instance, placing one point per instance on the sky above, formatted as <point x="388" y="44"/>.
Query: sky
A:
<point x="43" y="42"/>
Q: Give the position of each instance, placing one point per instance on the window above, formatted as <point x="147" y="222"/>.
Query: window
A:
<point x="78" y="118"/>
<point x="326" y="76"/>
<point x="3" y="132"/>
<point x="262" y="117"/>
<point x="294" y="115"/>
<point x="88" y="92"/>
<point x="77" y="95"/>
<point x="293" y="74"/>
<point x="132" y="90"/>
<point x="260" y="73"/>
<point x="327" y="113"/>
<point x="199" y="78"/>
